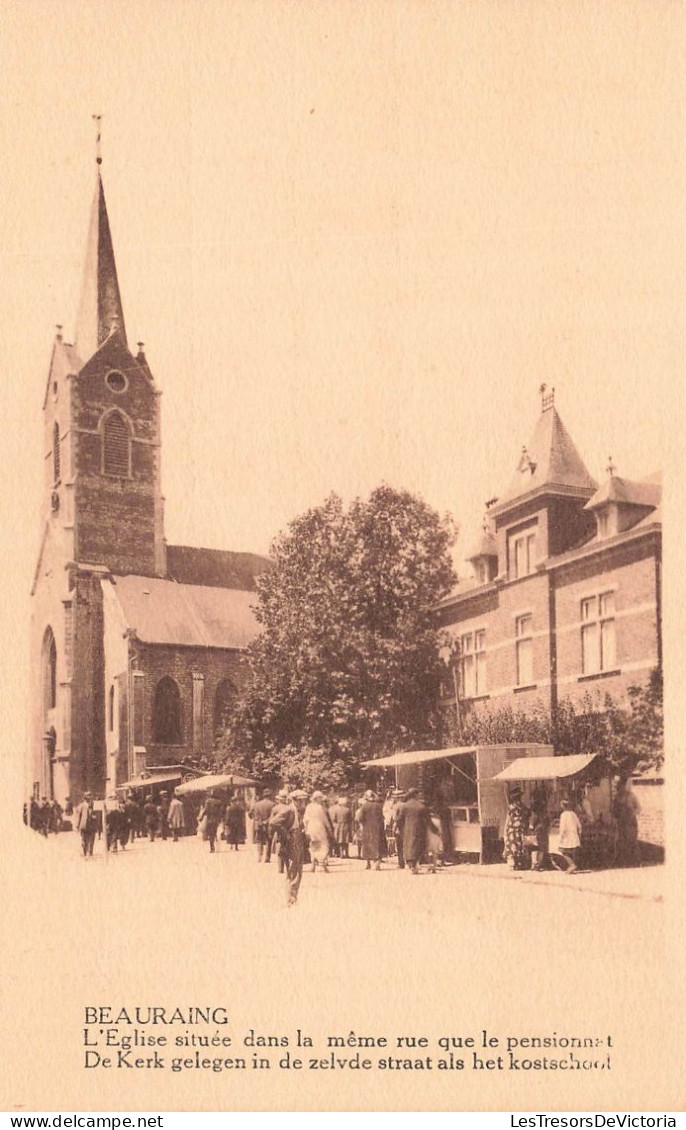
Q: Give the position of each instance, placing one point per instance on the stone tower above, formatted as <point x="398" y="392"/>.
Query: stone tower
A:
<point x="102" y="512"/>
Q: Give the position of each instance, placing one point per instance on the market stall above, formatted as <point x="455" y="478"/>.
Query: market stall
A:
<point x="458" y="784"/>
<point x="585" y="781"/>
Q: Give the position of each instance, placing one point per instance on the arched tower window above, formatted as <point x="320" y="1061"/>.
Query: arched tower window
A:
<point x="116" y="445"/>
<point x="224" y="698"/>
<point x="166" y="721"/>
<point x="56" y="453"/>
<point x="49" y="670"/>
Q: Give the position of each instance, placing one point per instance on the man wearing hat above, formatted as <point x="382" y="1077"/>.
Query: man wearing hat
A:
<point x="85" y="823"/>
<point x="260" y="813"/>
<point x="286" y="822"/>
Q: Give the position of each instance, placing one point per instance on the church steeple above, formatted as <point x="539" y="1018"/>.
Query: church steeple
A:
<point x="100" y="309"/>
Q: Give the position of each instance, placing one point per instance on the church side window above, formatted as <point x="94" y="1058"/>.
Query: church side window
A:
<point x="116" y="446"/>
<point x="166" y="722"/>
<point x="56" y="453"/>
<point x="110" y="708"/>
<point x="224" y="698"/>
<point x="50" y="670"/>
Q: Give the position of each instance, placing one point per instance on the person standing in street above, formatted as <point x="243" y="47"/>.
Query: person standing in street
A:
<point x="342" y="823"/>
<point x="280" y="802"/>
<point x="570" y="836"/>
<point x="260" y="813"/>
<point x="209" y="818"/>
<point x="85" y="823"/>
<point x="234" y="822"/>
<point x="319" y="830"/>
<point x="176" y="818"/>
<point x="151" y="818"/>
<point x="286" y="822"/>
<point x="412" y="819"/>
<point x="369" y="816"/>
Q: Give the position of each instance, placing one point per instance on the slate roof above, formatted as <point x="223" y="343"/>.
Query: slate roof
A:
<point x="647" y="492"/>
<point x="219" y="568"/>
<point x="549" y="460"/>
<point x="100" y="308"/>
<point x="163" y="612"/>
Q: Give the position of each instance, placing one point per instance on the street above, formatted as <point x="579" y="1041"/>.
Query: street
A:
<point x="467" y="950"/>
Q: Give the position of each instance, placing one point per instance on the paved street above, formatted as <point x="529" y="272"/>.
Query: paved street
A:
<point x="465" y="949"/>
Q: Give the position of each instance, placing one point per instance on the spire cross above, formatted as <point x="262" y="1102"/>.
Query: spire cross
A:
<point x="610" y="466"/>
<point x="97" y="118"/>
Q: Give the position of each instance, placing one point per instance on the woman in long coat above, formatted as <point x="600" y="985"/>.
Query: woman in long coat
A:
<point x="319" y="831"/>
<point x="412" y="819"/>
<point x="370" y="818"/>
<point x="234" y="822"/>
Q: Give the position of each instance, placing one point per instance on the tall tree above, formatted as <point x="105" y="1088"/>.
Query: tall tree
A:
<point x="346" y="665"/>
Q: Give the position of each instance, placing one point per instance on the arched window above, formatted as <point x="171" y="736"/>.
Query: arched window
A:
<point x="116" y="445"/>
<point x="49" y="670"/>
<point x="56" y="453"/>
<point x="224" y="698"/>
<point x="110" y="708"/>
<point x="166" y="721"/>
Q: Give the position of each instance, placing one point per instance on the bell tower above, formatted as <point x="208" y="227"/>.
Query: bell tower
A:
<point x="102" y="513"/>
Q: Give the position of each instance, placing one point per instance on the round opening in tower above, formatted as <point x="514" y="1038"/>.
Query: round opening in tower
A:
<point x="116" y="381"/>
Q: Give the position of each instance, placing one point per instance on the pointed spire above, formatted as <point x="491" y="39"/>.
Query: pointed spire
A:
<point x="549" y="461"/>
<point x="100" y="308"/>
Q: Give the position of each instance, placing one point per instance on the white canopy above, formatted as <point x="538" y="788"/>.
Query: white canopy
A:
<point x="545" y="768"/>
<point x="417" y="756"/>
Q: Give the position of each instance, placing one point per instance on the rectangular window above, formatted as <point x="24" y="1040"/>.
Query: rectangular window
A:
<point x="472" y="664"/>
<point x="525" y="650"/>
<point x="598" y="651"/>
<point x="522" y="553"/>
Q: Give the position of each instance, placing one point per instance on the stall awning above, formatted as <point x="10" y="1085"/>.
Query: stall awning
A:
<point x="545" y="768"/>
<point x="415" y="757"/>
<point x="152" y="779"/>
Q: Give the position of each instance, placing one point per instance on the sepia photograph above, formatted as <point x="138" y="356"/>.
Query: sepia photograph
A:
<point x="345" y="374"/>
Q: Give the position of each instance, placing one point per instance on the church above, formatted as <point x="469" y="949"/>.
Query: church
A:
<point x="135" y="644"/>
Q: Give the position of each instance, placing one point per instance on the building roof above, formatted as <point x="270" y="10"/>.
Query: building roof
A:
<point x="550" y="460"/>
<point x="485" y="546"/>
<point x="219" y="568"/>
<point x="163" y="612"/>
<point x="647" y="492"/>
<point x="100" y="310"/>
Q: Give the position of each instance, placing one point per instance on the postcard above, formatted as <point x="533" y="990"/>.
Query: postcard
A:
<point x="343" y="383"/>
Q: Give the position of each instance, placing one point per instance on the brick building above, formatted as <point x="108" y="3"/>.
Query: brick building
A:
<point x="135" y="644"/>
<point x="565" y="596"/>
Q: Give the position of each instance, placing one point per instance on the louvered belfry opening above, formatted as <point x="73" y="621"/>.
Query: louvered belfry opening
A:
<point x="116" y="445"/>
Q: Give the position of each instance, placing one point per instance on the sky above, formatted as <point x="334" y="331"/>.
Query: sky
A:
<point x="355" y="238"/>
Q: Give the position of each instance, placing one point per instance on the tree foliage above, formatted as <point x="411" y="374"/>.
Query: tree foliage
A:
<point x="629" y="733"/>
<point x="346" y="666"/>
